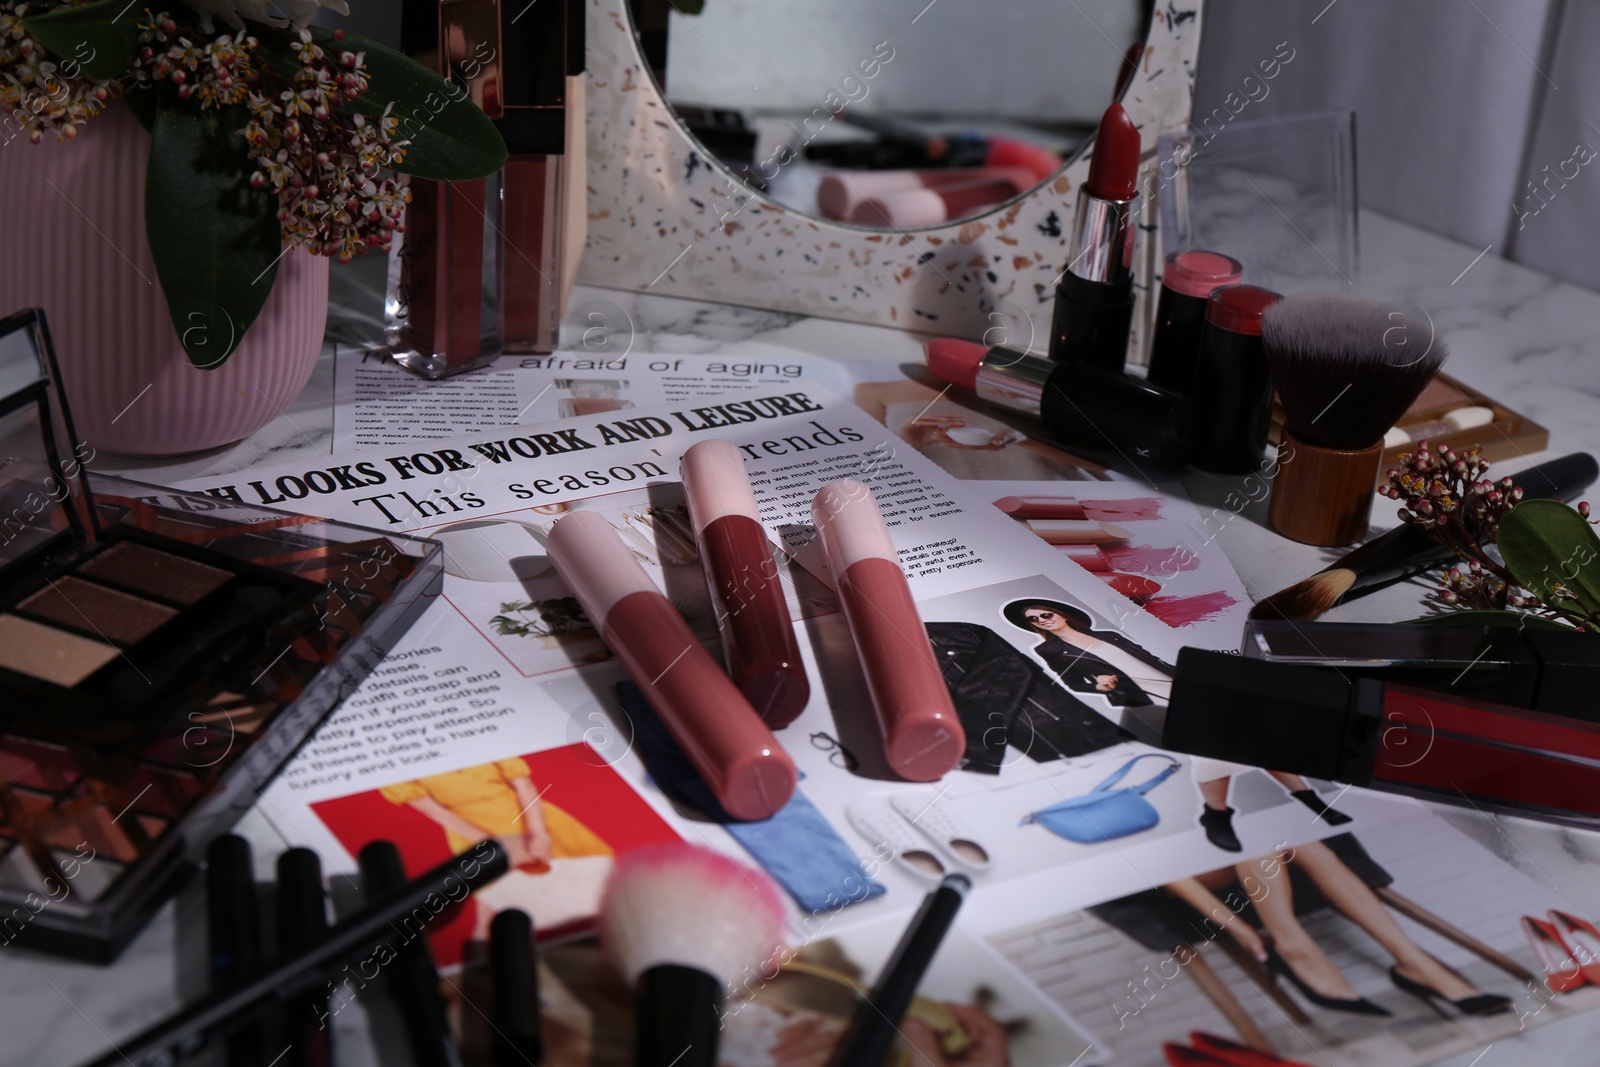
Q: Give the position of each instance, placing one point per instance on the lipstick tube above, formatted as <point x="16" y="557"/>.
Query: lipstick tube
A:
<point x="1384" y="735"/>
<point x="758" y="639"/>
<point x="1104" y="412"/>
<point x="1186" y="283"/>
<point x="922" y="737"/>
<point x="839" y="195"/>
<point x="934" y="205"/>
<point x="1232" y="382"/>
<point x="734" y="751"/>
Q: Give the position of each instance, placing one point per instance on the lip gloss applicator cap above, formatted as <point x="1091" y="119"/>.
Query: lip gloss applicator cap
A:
<point x="922" y="736"/>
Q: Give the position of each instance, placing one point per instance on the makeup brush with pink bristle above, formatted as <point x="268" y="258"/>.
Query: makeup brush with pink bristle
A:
<point x="683" y="923"/>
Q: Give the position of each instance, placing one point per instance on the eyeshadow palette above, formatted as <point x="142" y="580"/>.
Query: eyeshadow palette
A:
<point x="162" y="655"/>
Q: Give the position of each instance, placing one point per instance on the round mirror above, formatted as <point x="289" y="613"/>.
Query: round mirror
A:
<point x="891" y="117"/>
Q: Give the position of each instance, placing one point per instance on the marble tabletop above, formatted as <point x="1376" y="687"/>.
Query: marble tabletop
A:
<point x="1518" y="335"/>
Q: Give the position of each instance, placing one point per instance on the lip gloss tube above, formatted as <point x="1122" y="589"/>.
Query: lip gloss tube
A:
<point x="752" y="617"/>
<point x="922" y="737"/>
<point x="737" y="756"/>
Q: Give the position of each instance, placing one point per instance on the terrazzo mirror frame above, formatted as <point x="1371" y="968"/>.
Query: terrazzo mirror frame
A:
<point x="666" y="218"/>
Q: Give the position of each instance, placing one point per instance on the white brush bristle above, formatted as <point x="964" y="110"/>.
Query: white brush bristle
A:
<point x="691" y="906"/>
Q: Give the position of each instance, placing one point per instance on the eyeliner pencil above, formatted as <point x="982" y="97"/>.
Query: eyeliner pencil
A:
<point x="302" y="922"/>
<point x="367" y="936"/>
<point x="412" y="978"/>
<point x="877" y="1019"/>
<point x="233" y="933"/>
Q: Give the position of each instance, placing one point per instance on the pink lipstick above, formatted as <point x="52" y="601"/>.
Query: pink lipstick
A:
<point x="1094" y="302"/>
<point x="734" y="751"/>
<point x="922" y="737"/>
<point x="752" y="617"/>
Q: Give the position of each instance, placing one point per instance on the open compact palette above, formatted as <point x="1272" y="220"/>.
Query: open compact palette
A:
<point x="162" y="654"/>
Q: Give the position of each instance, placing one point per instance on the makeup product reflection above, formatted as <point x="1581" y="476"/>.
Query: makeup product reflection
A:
<point x="1345" y="368"/>
<point x="367" y="940"/>
<point x="682" y="924"/>
<point x="162" y="654"/>
<point x="934" y="205"/>
<point x="1406" y="550"/>
<point x="411" y="977"/>
<point x="922" y="737"/>
<point x="1094" y="300"/>
<point x="876" y="1021"/>
<point x="752" y="617"/>
<point x="1389" y="736"/>
<point x="1103" y="412"/>
<point x="732" y="749"/>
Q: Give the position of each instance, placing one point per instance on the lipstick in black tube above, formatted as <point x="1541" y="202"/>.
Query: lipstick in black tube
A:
<point x="1094" y="301"/>
<point x="1100" y="411"/>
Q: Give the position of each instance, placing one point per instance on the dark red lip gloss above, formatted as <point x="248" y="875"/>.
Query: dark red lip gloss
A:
<point x="1094" y="301"/>
<point x="757" y="636"/>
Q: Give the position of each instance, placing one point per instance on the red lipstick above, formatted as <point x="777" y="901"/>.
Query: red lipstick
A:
<point x="1094" y="302"/>
<point x="752" y="617"/>
<point x="922" y="737"/>
<point x="737" y="756"/>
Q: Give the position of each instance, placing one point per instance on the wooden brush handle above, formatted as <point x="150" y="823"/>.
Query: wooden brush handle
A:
<point x="1322" y="496"/>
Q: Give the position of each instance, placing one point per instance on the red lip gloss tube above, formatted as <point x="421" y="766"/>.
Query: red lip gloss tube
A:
<point x="750" y="773"/>
<point x="752" y="617"/>
<point x="922" y="736"/>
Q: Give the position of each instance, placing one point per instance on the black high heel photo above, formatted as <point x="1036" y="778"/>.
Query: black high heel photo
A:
<point x="1354" y="1005"/>
<point x="1477" y="1004"/>
<point x="1313" y="800"/>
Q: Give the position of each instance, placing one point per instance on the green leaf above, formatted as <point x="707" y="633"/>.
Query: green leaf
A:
<point x="1515" y="620"/>
<point x="215" y="240"/>
<point x="142" y="102"/>
<point x="451" y="138"/>
<point x="1545" y="541"/>
<point x="101" y="39"/>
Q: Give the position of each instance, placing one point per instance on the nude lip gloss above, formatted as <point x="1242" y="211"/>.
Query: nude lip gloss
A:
<point x="734" y="751"/>
<point x="757" y="637"/>
<point x="922" y="737"/>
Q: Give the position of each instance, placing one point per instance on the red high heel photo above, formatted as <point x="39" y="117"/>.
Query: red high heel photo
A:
<point x="1562" y="972"/>
<point x="1222" y="1050"/>
<point x="1582" y="940"/>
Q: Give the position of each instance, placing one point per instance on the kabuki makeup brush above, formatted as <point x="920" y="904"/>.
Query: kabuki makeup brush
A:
<point x="1346" y="368"/>
<point x="683" y="923"/>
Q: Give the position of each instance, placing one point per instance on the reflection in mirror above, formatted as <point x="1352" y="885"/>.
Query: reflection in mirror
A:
<point x="901" y="116"/>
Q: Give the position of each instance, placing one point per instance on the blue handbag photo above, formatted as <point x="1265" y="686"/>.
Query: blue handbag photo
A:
<point x="1104" y="813"/>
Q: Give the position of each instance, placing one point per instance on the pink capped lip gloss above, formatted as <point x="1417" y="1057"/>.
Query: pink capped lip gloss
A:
<point x="734" y="751"/>
<point x="752" y="617"/>
<point x="922" y="737"/>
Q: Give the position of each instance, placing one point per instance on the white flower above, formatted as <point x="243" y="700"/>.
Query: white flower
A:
<point x="299" y="12"/>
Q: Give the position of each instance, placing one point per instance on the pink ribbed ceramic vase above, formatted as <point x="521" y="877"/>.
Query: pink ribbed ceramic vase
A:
<point x="72" y="241"/>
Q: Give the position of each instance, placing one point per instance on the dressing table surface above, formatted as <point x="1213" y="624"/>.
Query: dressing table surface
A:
<point x="1520" y="336"/>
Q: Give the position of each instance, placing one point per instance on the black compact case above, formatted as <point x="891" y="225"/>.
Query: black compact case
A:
<point x="162" y="655"/>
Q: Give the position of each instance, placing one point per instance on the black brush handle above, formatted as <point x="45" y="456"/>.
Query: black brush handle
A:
<point x="679" y="1017"/>
<point x="233" y="925"/>
<point x="302" y="922"/>
<point x="1406" y="550"/>
<point x="876" y="1021"/>
<point x="518" y="1038"/>
<point x="413" y="979"/>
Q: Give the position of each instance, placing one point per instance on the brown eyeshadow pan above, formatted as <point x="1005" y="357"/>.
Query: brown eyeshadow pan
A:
<point x="155" y="572"/>
<point x="48" y="654"/>
<point x="96" y="609"/>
